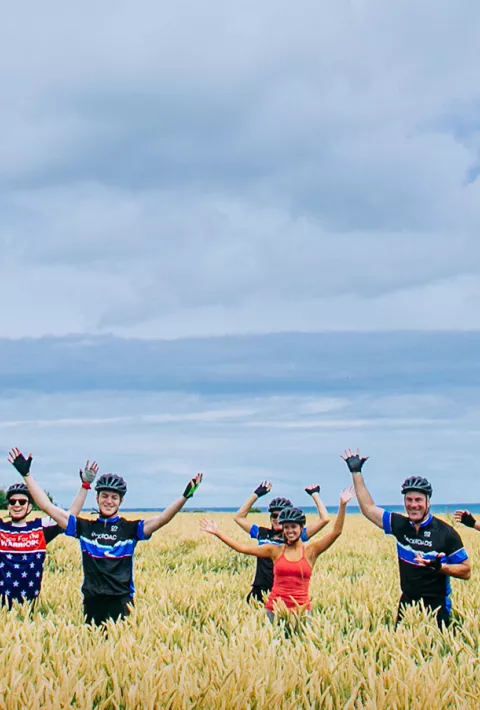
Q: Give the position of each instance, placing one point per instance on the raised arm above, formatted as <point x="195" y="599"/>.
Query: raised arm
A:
<point x="210" y="526"/>
<point x="323" y="519"/>
<point x="18" y="460"/>
<point x="156" y="522"/>
<point x="466" y="518"/>
<point x="365" y="500"/>
<point x="316" y="548"/>
<point x="240" y="516"/>
<point x="87" y="476"/>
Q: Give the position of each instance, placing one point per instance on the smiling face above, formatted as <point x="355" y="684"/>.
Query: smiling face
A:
<point x="108" y="503"/>
<point x="291" y="532"/>
<point x="19" y="507"/>
<point x="417" y="506"/>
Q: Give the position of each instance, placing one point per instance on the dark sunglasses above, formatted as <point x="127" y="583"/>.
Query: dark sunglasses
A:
<point x="20" y="501"/>
<point x="274" y="516"/>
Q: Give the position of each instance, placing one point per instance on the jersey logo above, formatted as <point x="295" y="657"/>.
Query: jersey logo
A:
<point x="427" y="533"/>
<point x="114" y="528"/>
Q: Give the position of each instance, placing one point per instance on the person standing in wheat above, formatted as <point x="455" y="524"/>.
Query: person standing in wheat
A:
<point x="263" y="580"/>
<point x="107" y="542"/>
<point x="23" y="543"/>
<point x="293" y="561"/>
<point x="429" y="550"/>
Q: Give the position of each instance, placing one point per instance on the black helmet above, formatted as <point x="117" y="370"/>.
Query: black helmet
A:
<point x="417" y="483"/>
<point x="111" y="482"/>
<point x="18" y="489"/>
<point x="292" y="515"/>
<point x="279" y="504"/>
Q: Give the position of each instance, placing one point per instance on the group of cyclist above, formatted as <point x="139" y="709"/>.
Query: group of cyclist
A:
<point x="429" y="550"/>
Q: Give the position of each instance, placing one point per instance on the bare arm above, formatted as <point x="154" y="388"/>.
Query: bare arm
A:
<point x="87" y="476"/>
<point x="316" y="548"/>
<point x="461" y="570"/>
<point x="371" y="511"/>
<point x="156" y="522"/>
<point x="240" y="516"/>
<point x="267" y="551"/>
<point x="18" y="460"/>
<point x="323" y="519"/>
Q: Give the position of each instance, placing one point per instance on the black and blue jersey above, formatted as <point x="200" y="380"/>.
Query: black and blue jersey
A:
<point x="264" y="571"/>
<point x="107" y="546"/>
<point x="433" y="537"/>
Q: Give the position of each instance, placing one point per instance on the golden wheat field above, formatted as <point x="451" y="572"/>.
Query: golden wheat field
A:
<point x="192" y="642"/>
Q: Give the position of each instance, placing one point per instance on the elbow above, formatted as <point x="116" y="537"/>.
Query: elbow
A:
<point x="325" y="521"/>
<point x="467" y="574"/>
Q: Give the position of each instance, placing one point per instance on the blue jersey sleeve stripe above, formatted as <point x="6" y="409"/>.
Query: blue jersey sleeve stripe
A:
<point x="387" y="522"/>
<point x="254" y="530"/>
<point x="71" y="528"/>
<point x="141" y="531"/>
<point x="456" y="557"/>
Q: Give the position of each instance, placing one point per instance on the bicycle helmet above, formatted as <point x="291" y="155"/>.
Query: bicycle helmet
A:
<point x="417" y="483"/>
<point x="279" y="504"/>
<point x="18" y="489"/>
<point x="111" y="482"/>
<point x="292" y="515"/>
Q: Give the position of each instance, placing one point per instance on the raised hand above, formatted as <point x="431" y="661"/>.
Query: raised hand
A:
<point x="353" y="460"/>
<point x="465" y="517"/>
<point x="209" y="526"/>
<point x="346" y="495"/>
<point x="192" y="486"/>
<point x="314" y="488"/>
<point x="88" y="473"/>
<point x="264" y="488"/>
<point x="18" y="460"/>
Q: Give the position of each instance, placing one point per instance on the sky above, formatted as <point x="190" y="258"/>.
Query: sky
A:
<point x="239" y="238"/>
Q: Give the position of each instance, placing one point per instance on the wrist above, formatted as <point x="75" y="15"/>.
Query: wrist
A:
<point x="86" y="485"/>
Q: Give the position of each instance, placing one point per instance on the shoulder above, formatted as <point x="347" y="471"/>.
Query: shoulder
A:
<point x="394" y="522"/>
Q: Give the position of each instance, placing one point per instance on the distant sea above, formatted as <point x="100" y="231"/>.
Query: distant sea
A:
<point x="440" y="508"/>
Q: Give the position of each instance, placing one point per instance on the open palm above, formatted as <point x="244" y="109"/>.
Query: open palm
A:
<point x="346" y="494"/>
<point x="209" y="526"/>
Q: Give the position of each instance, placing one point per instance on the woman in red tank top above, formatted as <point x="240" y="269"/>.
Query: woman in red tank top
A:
<point x="292" y="562"/>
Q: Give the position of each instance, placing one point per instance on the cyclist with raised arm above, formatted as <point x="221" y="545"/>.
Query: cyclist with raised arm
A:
<point x="292" y="560"/>
<point x="263" y="580"/>
<point x="107" y="542"/>
<point x="23" y="543"/>
<point x="429" y="550"/>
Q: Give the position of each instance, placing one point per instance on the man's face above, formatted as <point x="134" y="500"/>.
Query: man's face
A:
<point x="417" y="506"/>
<point x="108" y="503"/>
<point x="274" y="521"/>
<point x="19" y="507"/>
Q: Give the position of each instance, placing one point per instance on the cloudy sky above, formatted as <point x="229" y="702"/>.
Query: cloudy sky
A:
<point x="238" y="238"/>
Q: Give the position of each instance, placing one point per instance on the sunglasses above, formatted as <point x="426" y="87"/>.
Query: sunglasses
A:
<point x="274" y="516"/>
<point x="20" y="501"/>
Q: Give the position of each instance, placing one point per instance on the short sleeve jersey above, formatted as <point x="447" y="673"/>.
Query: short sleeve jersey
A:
<point x="107" y="547"/>
<point x="22" y="557"/>
<point x="433" y="537"/>
<point x="267" y="536"/>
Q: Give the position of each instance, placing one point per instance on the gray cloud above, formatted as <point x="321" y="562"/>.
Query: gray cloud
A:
<point x="239" y="169"/>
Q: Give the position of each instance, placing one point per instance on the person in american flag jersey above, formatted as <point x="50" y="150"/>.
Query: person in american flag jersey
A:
<point x="23" y="542"/>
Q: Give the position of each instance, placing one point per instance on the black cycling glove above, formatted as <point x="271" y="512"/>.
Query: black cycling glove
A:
<point x="468" y="519"/>
<point x="312" y="489"/>
<point x="435" y="565"/>
<point x="190" y="489"/>
<point x="355" y="463"/>
<point x="261" y="490"/>
<point x="22" y="464"/>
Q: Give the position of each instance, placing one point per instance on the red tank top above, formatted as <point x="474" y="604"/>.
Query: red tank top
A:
<point x="290" y="582"/>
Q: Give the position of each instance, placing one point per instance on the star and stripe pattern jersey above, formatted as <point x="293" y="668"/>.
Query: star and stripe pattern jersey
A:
<point x="22" y="556"/>
<point x="107" y="546"/>
<point x="264" y="570"/>
<point x="433" y="537"/>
